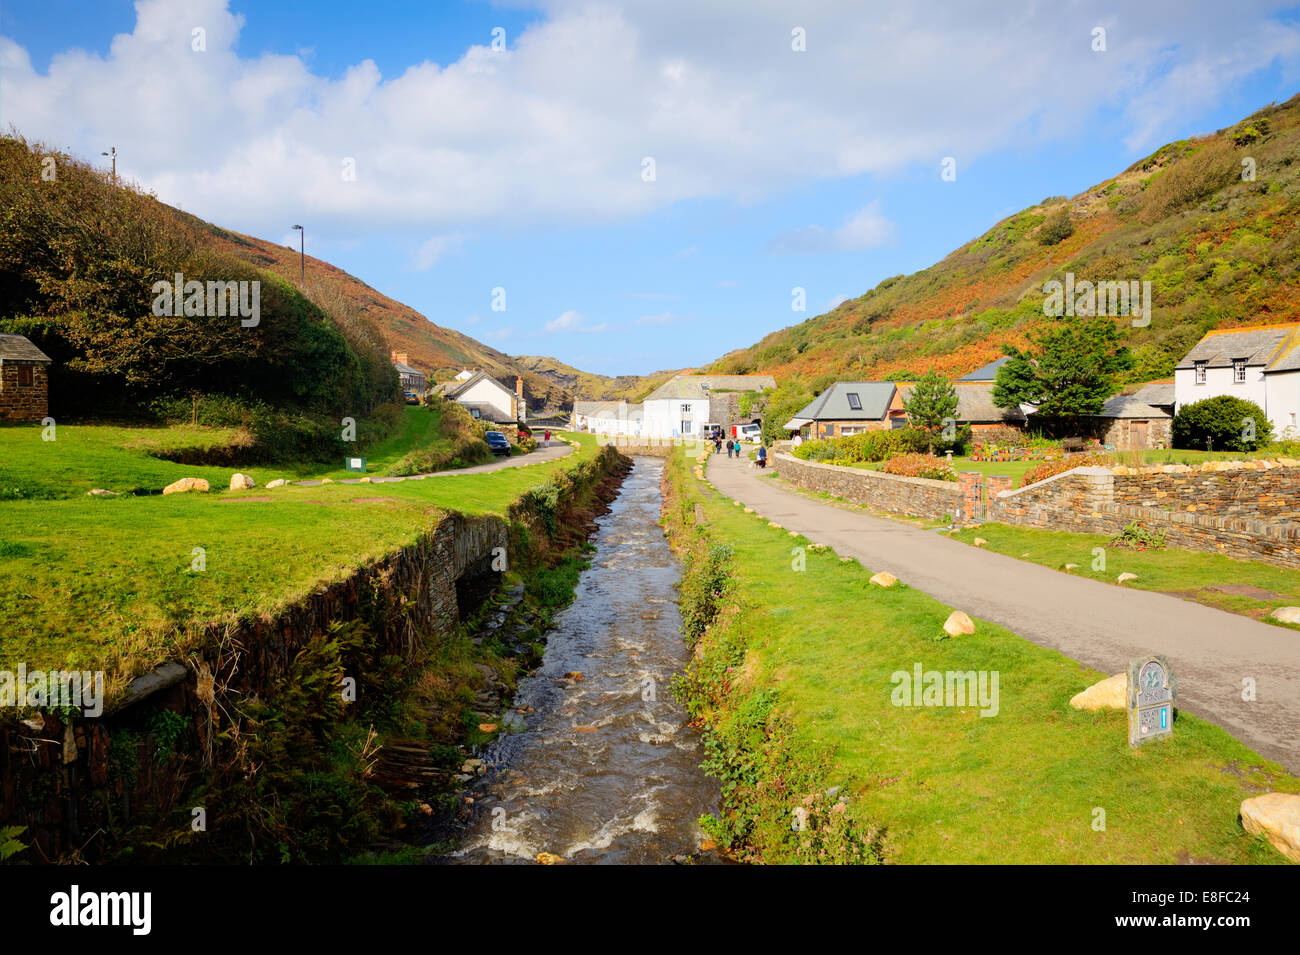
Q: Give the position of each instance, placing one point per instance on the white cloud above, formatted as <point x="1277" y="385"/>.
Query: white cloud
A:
<point x="660" y="318"/>
<point x="554" y="129"/>
<point x="864" y="229"/>
<point x="569" y="321"/>
<point x="434" y="249"/>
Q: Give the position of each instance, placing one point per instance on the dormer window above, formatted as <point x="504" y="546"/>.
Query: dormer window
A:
<point x="1200" y="367"/>
<point x="1239" y="370"/>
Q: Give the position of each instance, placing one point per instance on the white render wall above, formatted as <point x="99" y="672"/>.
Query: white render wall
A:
<point x="664" y="417"/>
<point x="489" y="393"/>
<point x="1277" y="393"/>
<point x="1283" y="406"/>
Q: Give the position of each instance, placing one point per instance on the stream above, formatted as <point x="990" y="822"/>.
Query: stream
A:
<point x="602" y="766"/>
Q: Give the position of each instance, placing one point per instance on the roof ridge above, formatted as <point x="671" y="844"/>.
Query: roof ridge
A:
<point x="1251" y="328"/>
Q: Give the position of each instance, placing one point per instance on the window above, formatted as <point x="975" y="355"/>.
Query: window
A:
<point x="1239" y="370"/>
<point x="26" y="376"/>
<point x="854" y="401"/>
<point x="1200" y="371"/>
<point x="686" y="409"/>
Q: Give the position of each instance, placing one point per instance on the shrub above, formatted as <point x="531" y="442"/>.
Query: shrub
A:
<point x="1220" y="424"/>
<point x="870" y="446"/>
<point x="919" y="466"/>
<point x="1067" y="463"/>
<point x="1057" y="228"/>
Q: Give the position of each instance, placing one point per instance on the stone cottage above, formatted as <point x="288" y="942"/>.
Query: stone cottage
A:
<point x="24" y="380"/>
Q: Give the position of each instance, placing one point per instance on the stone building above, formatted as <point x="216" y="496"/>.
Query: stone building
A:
<point x="24" y="380"/>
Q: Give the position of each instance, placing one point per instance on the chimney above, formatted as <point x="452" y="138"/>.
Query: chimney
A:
<point x="400" y="356"/>
<point x="519" y="387"/>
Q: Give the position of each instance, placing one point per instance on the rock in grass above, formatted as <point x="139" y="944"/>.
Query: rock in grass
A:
<point x="186" y="484"/>
<point x="278" y="482"/>
<point x="884" y="579"/>
<point x="774" y="524"/>
<point x="1276" y="817"/>
<point x="1126" y="577"/>
<point x="100" y="492"/>
<point x="1284" y="614"/>
<point x="241" y="482"/>
<point x="1110" y="694"/>
<point x="958" y="623"/>
<point x="979" y="542"/>
<point x="1070" y="567"/>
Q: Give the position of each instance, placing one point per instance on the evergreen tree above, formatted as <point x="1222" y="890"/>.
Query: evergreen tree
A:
<point x="932" y="404"/>
<point x="1069" y="372"/>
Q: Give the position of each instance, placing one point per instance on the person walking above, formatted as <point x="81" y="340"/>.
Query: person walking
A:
<point x="547" y="432"/>
<point x="762" y="456"/>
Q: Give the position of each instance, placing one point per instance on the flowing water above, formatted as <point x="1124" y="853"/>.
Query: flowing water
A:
<point x="603" y="767"/>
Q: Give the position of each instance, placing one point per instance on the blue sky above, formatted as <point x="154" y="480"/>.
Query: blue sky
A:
<point x="523" y="168"/>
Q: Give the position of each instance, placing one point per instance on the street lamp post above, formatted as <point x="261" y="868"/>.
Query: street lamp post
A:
<point x="302" y="254"/>
<point x="114" y="155"/>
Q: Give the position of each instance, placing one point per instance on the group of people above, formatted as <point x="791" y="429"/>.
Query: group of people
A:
<point x="734" y="448"/>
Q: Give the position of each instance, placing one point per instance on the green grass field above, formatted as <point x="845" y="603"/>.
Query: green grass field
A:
<point x="108" y="583"/>
<point x="1185" y="573"/>
<point x="948" y="785"/>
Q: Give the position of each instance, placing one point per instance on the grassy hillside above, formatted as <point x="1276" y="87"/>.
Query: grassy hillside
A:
<point x="587" y="386"/>
<point x="441" y="352"/>
<point x="1218" y="250"/>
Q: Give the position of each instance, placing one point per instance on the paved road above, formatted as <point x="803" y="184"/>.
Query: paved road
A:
<point x="1097" y="624"/>
<point x="540" y="456"/>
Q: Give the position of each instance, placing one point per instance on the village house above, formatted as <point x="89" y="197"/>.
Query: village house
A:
<point x="24" y="380"/>
<point x="607" y="417"/>
<point x="413" y="380"/>
<point x="1259" y="363"/>
<point x="852" y="407"/>
<point x="693" y="405"/>
<point x="1139" y="421"/>
<point x="486" y="398"/>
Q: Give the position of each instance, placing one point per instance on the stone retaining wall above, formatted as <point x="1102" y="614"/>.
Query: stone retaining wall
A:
<point x="918" y="497"/>
<point x="1246" y="511"/>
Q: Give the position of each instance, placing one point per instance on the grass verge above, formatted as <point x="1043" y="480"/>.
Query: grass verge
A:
<point x="794" y="668"/>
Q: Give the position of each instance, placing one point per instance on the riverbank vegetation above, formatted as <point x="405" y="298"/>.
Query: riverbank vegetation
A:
<point x="122" y="584"/>
<point x="792" y="679"/>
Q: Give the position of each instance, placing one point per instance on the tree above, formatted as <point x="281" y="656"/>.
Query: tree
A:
<point x="1224" y="423"/>
<point x="932" y="405"/>
<point x="1069" y="372"/>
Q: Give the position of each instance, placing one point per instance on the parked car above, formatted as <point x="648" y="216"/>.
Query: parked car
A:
<point x="411" y="397"/>
<point x="498" y="443"/>
<point x="750" y="432"/>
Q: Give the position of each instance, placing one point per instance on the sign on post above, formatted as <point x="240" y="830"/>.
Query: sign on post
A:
<point x="356" y="464"/>
<point x="1152" y="694"/>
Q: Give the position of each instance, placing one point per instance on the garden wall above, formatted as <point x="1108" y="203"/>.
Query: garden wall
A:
<point x="1242" y="509"/>
<point x="920" y="497"/>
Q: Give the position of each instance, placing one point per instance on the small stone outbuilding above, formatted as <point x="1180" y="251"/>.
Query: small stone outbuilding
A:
<point x="24" y="380"/>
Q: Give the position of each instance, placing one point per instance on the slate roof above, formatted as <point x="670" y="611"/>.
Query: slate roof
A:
<point x="988" y="372"/>
<point x="460" y="387"/>
<point x="18" y="348"/>
<point x="1149" y="401"/>
<point x="1272" y="346"/>
<point x="406" y="369"/>
<point x="688" y="387"/>
<point x="607" y="409"/>
<point x="975" y="403"/>
<point x="833" y="403"/>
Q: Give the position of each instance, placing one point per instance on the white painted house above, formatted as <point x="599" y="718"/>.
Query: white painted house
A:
<point x="1260" y="364"/>
<point x="607" y="417"/>
<point x="690" y="405"/>
<point x="486" y="398"/>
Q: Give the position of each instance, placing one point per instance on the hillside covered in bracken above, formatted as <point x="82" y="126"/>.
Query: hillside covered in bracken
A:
<point x="1219" y="246"/>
